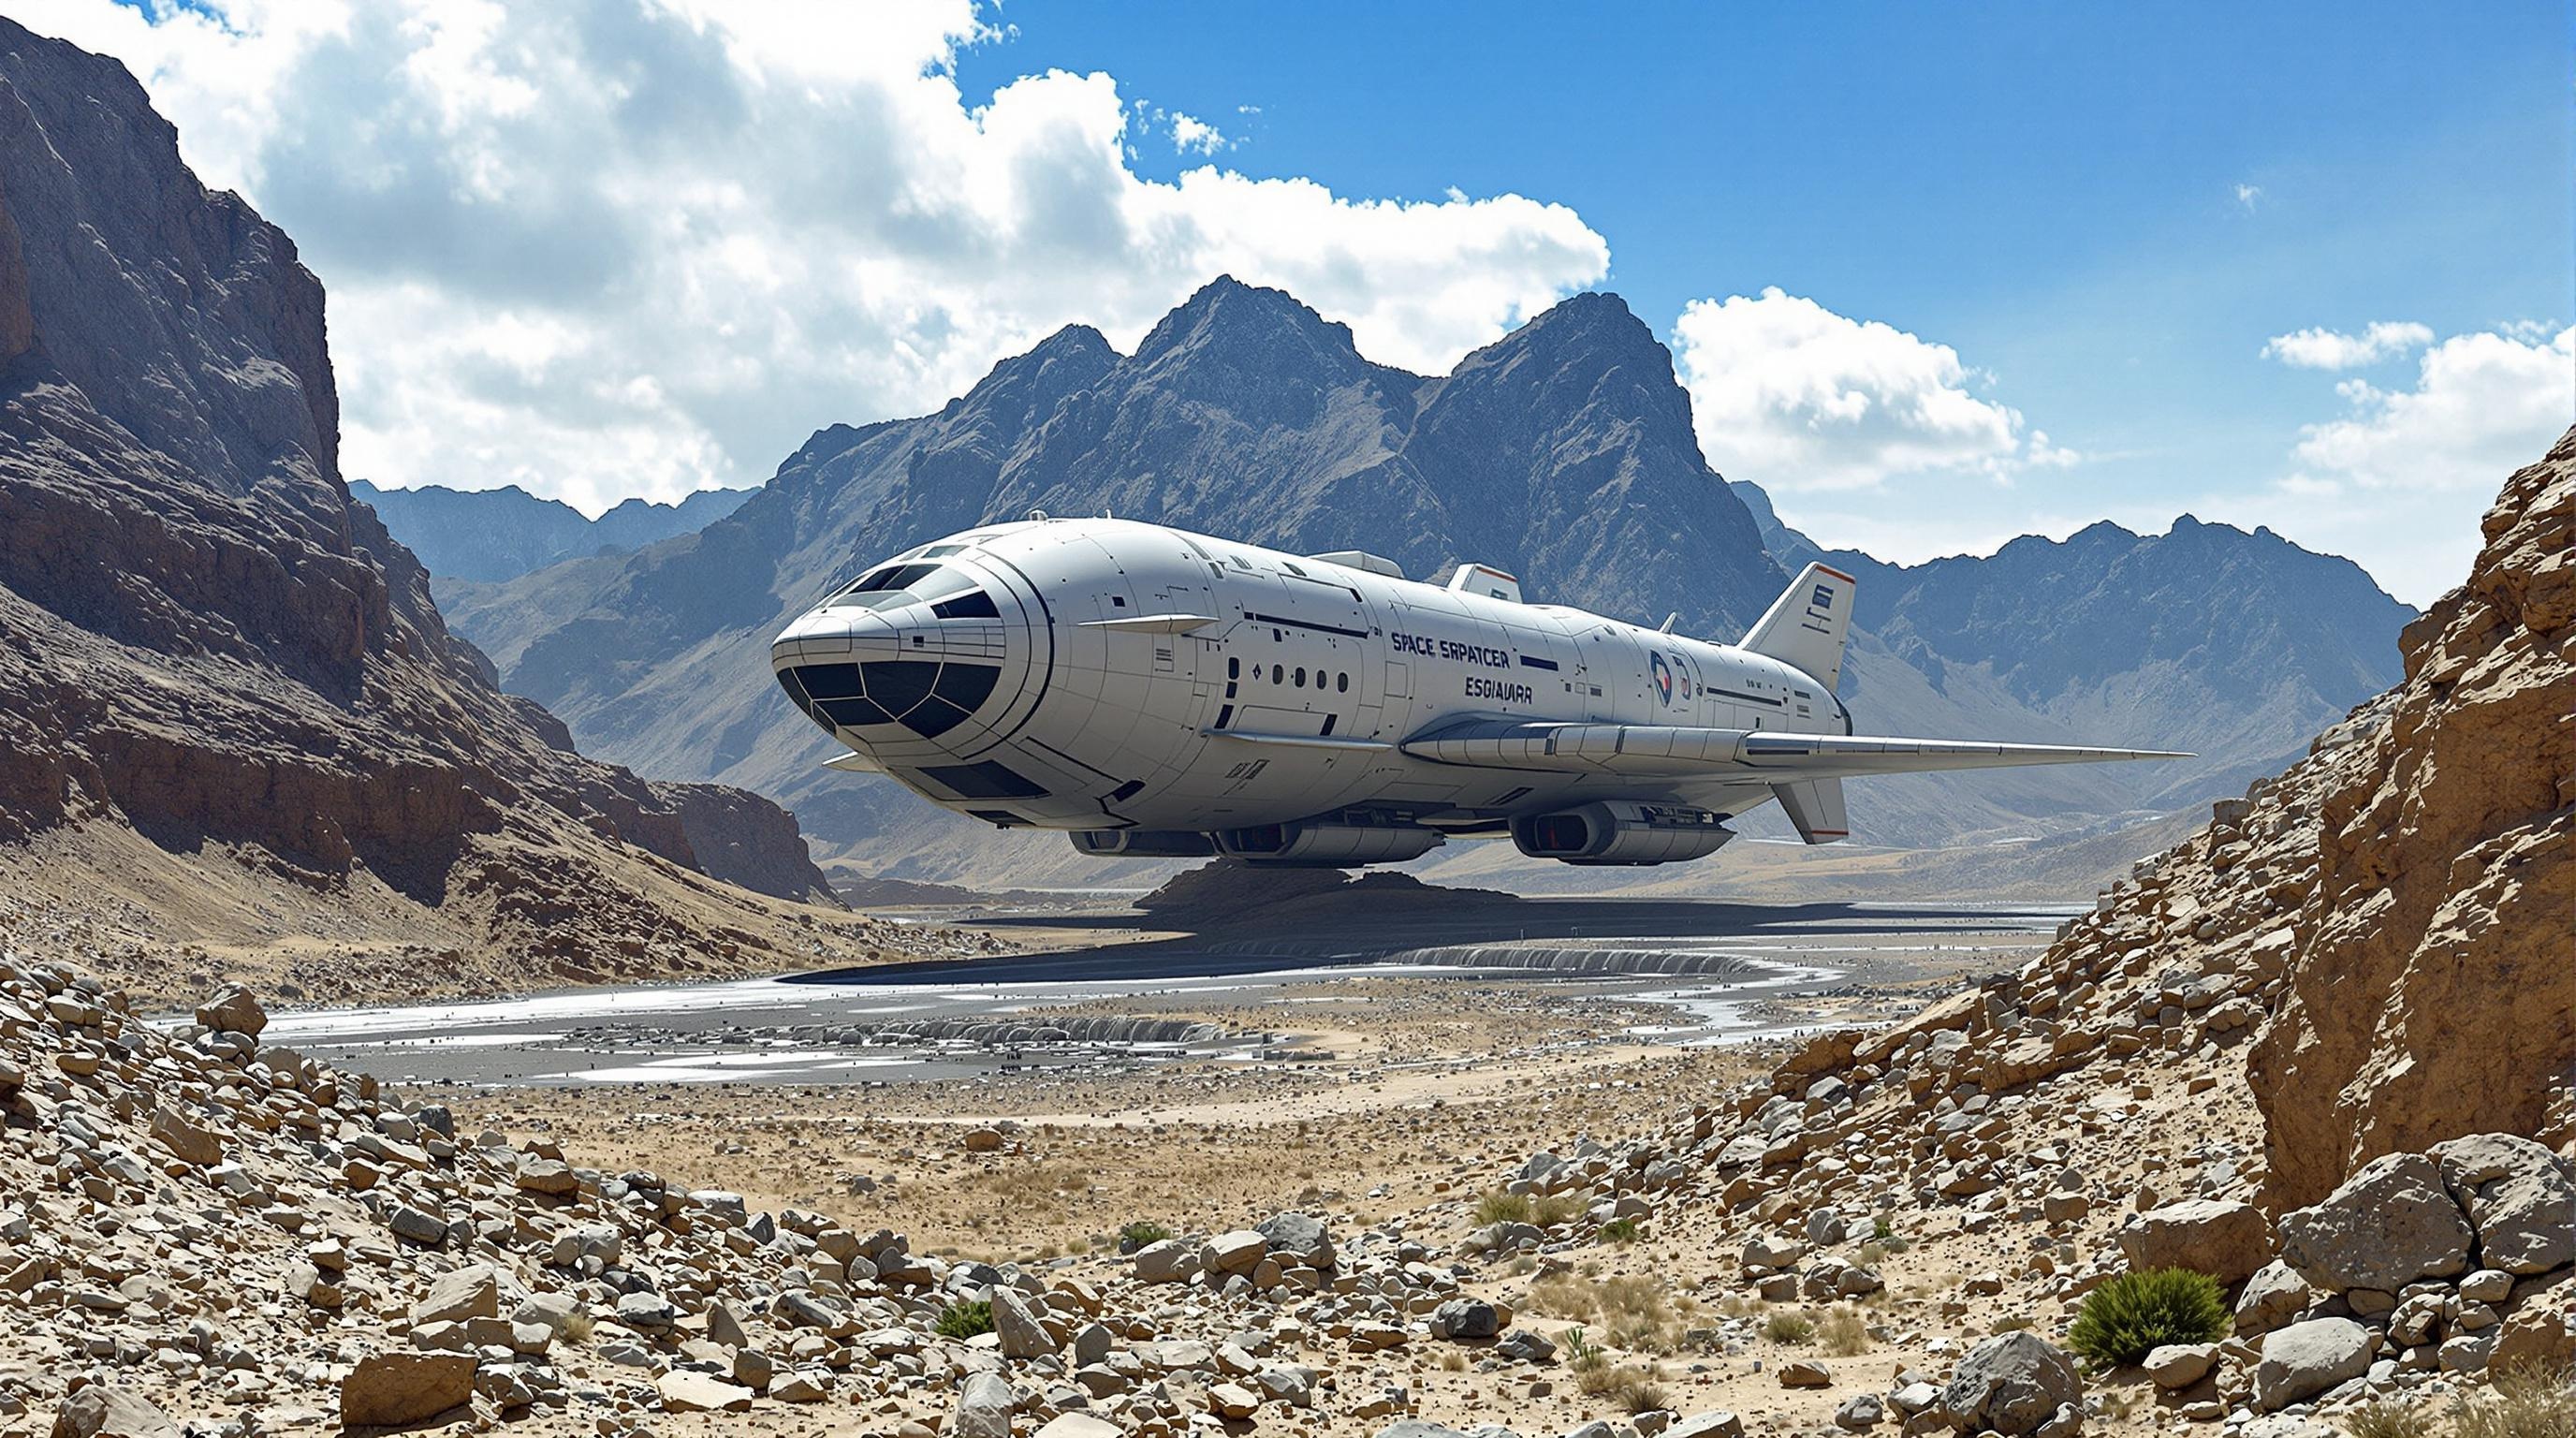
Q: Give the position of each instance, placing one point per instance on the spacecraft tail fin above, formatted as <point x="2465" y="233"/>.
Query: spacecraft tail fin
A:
<point x="1808" y="625"/>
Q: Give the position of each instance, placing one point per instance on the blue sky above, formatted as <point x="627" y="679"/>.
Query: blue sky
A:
<point x="2051" y="190"/>
<point x="1933" y="275"/>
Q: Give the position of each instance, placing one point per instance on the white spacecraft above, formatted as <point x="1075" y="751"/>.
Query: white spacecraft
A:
<point x="1162" y="694"/>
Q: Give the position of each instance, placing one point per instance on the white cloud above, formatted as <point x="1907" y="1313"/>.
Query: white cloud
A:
<point x="2331" y="349"/>
<point x="1192" y="134"/>
<point x="2249" y="196"/>
<point x="2399" y="481"/>
<point x="1793" y="396"/>
<point x="639" y="246"/>
<point x="2484" y="404"/>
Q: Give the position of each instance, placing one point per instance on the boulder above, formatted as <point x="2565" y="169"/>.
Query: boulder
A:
<point x="2519" y="1200"/>
<point x="2223" y="1239"/>
<point x="1079" y="1425"/>
<point x="389" y="1389"/>
<point x="1860" y="1413"/>
<point x="187" y="1140"/>
<point x="1805" y="1373"/>
<point x="2388" y="1225"/>
<point x="982" y="1140"/>
<point x="233" y="1009"/>
<point x="983" y="1408"/>
<point x="1297" y="1236"/>
<point x="473" y="1291"/>
<point x="1236" y="1252"/>
<point x="1526" y="1345"/>
<point x="2013" y="1383"/>
<point x="101" y="1411"/>
<point x="1468" y="1318"/>
<point x="1716" y="1423"/>
<point x="686" y="1392"/>
<point x="2305" y="1359"/>
<point x="2180" y="1365"/>
<point x="1170" y="1261"/>
<point x="1021" y="1335"/>
<point x="2273" y="1296"/>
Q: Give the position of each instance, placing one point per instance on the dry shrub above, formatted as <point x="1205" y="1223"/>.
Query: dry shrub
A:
<point x="1842" y="1333"/>
<point x="2528" y="1400"/>
<point x="1788" y="1328"/>
<point x="2388" y="1420"/>
<point x="1632" y="1389"/>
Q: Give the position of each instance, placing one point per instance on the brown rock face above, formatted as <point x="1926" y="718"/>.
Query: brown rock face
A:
<point x="2433" y="993"/>
<point x="205" y="641"/>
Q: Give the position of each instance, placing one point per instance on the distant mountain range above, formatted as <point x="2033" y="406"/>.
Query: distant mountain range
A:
<point x="1562" y="452"/>
<point x="493" y="534"/>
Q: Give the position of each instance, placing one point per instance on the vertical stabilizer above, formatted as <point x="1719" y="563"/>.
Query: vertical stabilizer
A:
<point x="1808" y="624"/>
<point x="1816" y="807"/>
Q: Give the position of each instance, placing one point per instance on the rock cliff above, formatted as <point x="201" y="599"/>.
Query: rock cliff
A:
<point x="206" y="643"/>
<point x="2433" y="993"/>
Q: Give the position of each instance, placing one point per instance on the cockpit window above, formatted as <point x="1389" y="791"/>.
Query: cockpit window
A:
<point x="893" y="584"/>
<point x="951" y="591"/>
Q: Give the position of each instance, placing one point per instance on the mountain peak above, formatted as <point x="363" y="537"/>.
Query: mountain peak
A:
<point x="1227" y="314"/>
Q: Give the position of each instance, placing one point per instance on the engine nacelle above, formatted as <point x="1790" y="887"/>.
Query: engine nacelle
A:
<point x="1617" y="831"/>
<point x="1328" y="846"/>
<point x="1143" y="843"/>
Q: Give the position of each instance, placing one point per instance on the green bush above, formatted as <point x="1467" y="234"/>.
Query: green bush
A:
<point x="2135" y="1313"/>
<point x="1143" y="1233"/>
<point x="1620" y="1231"/>
<point x="965" y="1320"/>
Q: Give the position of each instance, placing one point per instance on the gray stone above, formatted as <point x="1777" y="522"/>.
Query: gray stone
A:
<point x="1466" y="1318"/>
<point x="233" y="1009"/>
<point x="473" y="1291"/>
<point x="983" y="1408"/>
<point x="1716" y="1423"/>
<point x="2013" y="1383"/>
<point x="1170" y="1261"/>
<point x="1297" y="1236"/>
<point x="102" y="1411"/>
<point x="2273" y="1296"/>
<point x="1239" y="1251"/>
<point x="1018" y="1329"/>
<point x="650" y="1312"/>
<point x="2519" y="1200"/>
<point x="2388" y="1225"/>
<point x="2180" y="1365"/>
<point x="1525" y="1345"/>
<point x="2224" y="1239"/>
<point x="1860" y="1412"/>
<point x="2305" y="1359"/>
<point x="417" y="1225"/>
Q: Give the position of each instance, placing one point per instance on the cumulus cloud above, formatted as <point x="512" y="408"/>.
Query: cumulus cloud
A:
<point x="2332" y="349"/>
<point x="2483" y="405"/>
<point x="2398" y="481"/>
<point x="1190" y="134"/>
<point x="624" y="247"/>
<point x="1789" y="394"/>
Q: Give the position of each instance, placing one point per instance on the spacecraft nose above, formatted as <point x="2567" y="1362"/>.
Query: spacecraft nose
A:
<point x="887" y="675"/>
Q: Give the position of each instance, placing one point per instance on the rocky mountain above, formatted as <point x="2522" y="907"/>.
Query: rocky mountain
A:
<point x="2430" y="993"/>
<point x="232" y="703"/>
<point x="493" y="534"/>
<point x="1563" y="452"/>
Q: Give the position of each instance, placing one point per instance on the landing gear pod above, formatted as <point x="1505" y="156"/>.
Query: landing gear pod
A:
<point x="1330" y="846"/>
<point x="1144" y="843"/>
<point x="1620" y="832"/>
